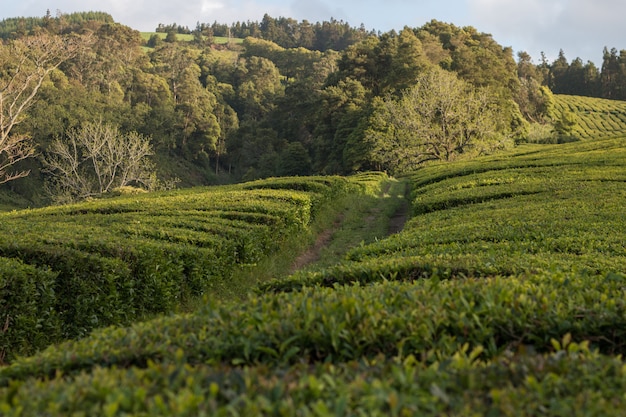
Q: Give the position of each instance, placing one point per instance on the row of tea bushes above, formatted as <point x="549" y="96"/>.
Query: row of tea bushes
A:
<point x="571" y="381"/>
<point x="558" y="210"/>
<point x="596" y="117"/>
<point x="28" y="318"/>
<point x="511" y="300"/>
<point x="522" y="345"/>
<point x="353" y="322"/>
<point x="116" y="260"/>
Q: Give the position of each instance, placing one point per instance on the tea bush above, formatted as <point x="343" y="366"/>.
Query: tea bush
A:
<point x="596" y="118"/>
<point x="116" y="260"/>
<point x="28" y="319"/>
<point x="505" y="294"/>
<point x="557" y="210"/>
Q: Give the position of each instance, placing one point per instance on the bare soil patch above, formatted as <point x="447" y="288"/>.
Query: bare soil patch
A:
<point x="397" y="221"/>
<point x="312" y="254"/>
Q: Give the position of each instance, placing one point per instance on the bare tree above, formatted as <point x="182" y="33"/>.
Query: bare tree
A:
<point x="95" y="159"/>
<point x="24" y="65"/>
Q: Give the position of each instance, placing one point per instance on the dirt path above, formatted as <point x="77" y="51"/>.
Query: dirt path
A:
<point x="312" y="254"/>
<point x="400" y="217"/>
<point x="396" y="223"/>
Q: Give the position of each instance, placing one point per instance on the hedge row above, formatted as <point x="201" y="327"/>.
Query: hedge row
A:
<point x="353" y="323"/>
<point x="28" y="319"/>
<point x="571" y="381"/>
<point x="596" y="118"/>
<point x="553" y="211"/>
<point x="116" y="260"/>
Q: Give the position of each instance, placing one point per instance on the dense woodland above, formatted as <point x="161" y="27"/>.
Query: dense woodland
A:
<point x="294" y="98"/>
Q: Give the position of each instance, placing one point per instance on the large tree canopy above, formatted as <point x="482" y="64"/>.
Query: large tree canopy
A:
<point x="236" y="111"/>
<point x="441" y="118"/>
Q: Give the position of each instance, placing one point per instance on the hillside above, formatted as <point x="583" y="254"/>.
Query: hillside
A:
<point x="67" y="270"/>
<point x="504" y="295"/>
<point x="218" y="40"/>
<point x="595" y="117"/>
<point x="285" y="98"/>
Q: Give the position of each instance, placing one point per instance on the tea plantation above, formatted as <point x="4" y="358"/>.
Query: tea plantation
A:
<point x="67" y="270"/>
<point x="505" y="294"/>
<point x="595" y="117"/>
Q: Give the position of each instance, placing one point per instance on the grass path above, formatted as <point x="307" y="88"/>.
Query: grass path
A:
<point x="360" y="220"/>
<point x="352" y="221"/>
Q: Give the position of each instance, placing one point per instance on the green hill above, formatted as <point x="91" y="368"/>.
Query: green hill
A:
<point x="219" y="40"/>
<point x="504" y="295"/>
<point x="596" y="117"/>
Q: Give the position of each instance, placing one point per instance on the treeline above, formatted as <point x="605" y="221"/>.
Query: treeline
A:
<point x="60" y="22"/>
<point x="273" y="106"/>
<point x="283" y="31"/>
<point x="581" y="79"/>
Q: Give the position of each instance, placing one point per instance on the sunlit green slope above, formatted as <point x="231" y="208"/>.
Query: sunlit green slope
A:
<point x="505" y="294"/>
<point x="595" y="117"/>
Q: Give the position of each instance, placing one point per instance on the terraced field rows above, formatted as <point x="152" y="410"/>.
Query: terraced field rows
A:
<point x="505" y="294"/>
<point x="597" y="118"/>
<point x="67" y="270"/>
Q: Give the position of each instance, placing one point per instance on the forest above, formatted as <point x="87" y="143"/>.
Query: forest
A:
<point x="226" y="103"/>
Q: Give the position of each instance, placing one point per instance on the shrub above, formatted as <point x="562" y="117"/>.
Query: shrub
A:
<point x="28" y="318"/>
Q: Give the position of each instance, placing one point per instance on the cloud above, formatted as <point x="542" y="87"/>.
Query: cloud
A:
<point x="582" y="28"/>
<point x="209" y="6"/>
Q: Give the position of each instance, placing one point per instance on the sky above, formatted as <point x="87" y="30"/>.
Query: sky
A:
<point x="581" y="28"/>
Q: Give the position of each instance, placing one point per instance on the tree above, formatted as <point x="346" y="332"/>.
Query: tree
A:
<point x="440" y="118"/>
<point x="258" y="87"/>
<point x="339" y="111"/>
<point x="408" y="61"/>
<point x="171" y="37"/>
<point x="95" y="159"/>
<point x="154" y="41"/>
<point x="198" y="123"/>
<point x="295" y="160"/>
<point x="558" y="74"/>
<point x="24" y="65"/>
<point x="565" y="126"/>
<point x="531" y="97"/>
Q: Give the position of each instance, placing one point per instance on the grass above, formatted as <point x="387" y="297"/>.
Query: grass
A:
<point x="117" y="260"/>
<point x="182" y="37"/>
<point x="364" y="219"/>
<point x="348" y="221"/>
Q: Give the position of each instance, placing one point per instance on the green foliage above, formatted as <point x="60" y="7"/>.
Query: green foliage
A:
<point x="116" y="260"/>
<point x="536" y="209"/>
<point x="594" y="117"/>
<point x="565" y="125"/>
<point x="28" y="321"/>
<point x="563" y="382"/>
<point x="453" y="329"/>
<point x="18" y="26"/>
<point x="295" y="160"/>
<point x="441" y="118"/>
<point x="503" y="295"/>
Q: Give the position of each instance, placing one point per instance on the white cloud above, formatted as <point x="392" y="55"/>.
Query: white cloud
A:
<point x="209" y="6"/>
<point x="580" y="27"/>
